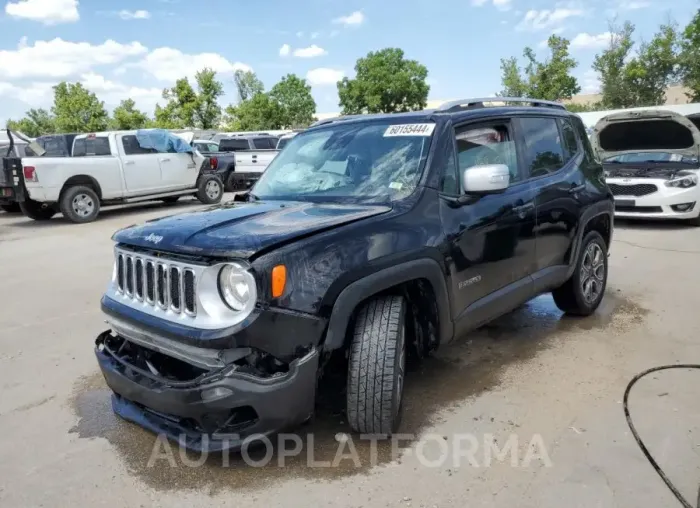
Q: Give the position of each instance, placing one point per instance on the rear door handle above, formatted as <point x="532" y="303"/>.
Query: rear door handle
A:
<point x="128" y="163"/>
<point x="164" y="160"/>
<point x="577" y="188"/>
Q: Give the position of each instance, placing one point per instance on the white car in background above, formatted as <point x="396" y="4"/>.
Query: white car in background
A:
<point x="651" y="160"/>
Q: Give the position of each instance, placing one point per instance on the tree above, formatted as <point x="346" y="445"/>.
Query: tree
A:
<point x="260" y="112"/>
<point x="689" y="62"/>
<point x="547" y="80"/>
<point x="247" y="85"/>
<point x="127" y="117"/>
<point x="648" y="75"/>
<point x="37" y="122"/>
<point x="76" y="109"/>
<point x="610" y="65"/>
<point x="385" y="82"/>
<point x="179" y="112"/>
<point x="294" y="97"/>
<point x="207" y="110"/>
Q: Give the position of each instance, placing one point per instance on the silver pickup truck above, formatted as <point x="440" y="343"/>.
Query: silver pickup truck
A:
<point x="252" y="155"/>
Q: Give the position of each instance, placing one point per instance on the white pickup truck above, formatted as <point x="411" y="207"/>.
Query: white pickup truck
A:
<point x="109" y="168"/>
<point x="253" y="153"/>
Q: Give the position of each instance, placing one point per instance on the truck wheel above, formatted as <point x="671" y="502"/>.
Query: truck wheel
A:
<point x="234" y="183"/>
<point x="210" y="190"/>
<point x="37" y="211"/>
<point x="13" y="208"/>
<point x="583" y="292"/>
<point x="80" y="204"/>
<point x="377" y="364"/>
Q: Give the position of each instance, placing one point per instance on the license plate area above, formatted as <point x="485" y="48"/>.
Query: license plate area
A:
<point x="626" y="203"/>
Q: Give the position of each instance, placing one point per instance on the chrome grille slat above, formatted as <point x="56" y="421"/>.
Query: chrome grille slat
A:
<point x="161" y="284"/>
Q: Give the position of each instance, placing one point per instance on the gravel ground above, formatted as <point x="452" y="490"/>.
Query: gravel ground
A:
<point x="547" y="385"/>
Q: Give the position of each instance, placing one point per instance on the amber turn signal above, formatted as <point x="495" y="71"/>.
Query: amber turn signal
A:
<point x="279" y="279"/>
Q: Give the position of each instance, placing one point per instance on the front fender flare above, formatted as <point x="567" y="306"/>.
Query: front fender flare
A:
<point x="360" y="290"/>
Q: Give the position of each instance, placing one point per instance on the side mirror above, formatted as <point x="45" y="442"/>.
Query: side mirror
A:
<point x="486" y="179"/>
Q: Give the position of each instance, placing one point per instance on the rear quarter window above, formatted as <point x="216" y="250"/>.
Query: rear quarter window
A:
<point x="90" y="147"/>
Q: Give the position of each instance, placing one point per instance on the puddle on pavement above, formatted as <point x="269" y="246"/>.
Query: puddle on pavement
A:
<point x="464" y="369"/>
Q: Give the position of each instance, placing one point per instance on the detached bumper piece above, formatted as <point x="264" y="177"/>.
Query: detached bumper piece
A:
<point x="206" y="410"/>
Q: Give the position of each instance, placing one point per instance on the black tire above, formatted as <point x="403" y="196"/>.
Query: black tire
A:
<point x="377" y="366"/>
<point x="571" y="296"/>
<point x="205" y="190"/>
<point x="37" y="211"/>
<point x="13" y="208"/>
<point x="170" y="200"/>
<point x="234" y="183"/>
<point x="80" y="204"/>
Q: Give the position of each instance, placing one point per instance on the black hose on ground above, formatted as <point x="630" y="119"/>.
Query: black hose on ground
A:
<point x="651" y="460"/>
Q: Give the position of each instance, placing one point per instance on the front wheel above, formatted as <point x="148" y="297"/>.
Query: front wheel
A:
<point x="210" y="190"/>
<point x="37" y="211"/>
<point x="582" y="293"/>
<point x="377" y="365"/>
<point x="80" y="204"/>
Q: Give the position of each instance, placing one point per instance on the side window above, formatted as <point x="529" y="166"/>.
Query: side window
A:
<point x="212" y="147"/>
<point x="261" y="143"/>
<point x="569" y="138"/>
<point x="132" y="147"/>
<point x="479" y="145"/>
<point x="542" y="151"/>
<point x="90" y="147"/>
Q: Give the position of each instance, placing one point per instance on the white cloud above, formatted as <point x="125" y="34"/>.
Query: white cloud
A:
<point x="324" y="76"/>
<point x="140" y="14"/>
<point x="300" y="34"/>
<point x="60" y="59"/>
<point x="356" y="18"/>
<point x="48" y="12"/>
<point x="312" y="51"/>
<point x="285" y="50"/>
<point x="631" y="5"/>
<point x="314" y="35"/>
<point x="590" y="82"/>
<point x="35" y="94"/>
<point x="501" y="5"/>
<point x="112" y="92"/>
<point x="541" y="20"/>
<point x="170" y="64"/>
<point x="591" y="41"/>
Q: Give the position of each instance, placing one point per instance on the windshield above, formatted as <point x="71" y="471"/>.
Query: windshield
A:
<point x="283" y="142"/>
<point x="632" y="158"/>
<point x="360" y="161"/>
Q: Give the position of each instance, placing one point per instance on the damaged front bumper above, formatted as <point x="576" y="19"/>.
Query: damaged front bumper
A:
<point x="206" y="409"/>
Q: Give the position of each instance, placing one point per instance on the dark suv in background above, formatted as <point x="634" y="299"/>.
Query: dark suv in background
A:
<point x="368" y="238"/>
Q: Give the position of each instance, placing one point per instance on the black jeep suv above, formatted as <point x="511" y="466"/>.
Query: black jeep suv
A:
<point x="368" y="238"/>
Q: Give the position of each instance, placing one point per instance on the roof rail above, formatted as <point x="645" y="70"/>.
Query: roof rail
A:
<point x="458" y="104"/>
<point x="334" y="119"/>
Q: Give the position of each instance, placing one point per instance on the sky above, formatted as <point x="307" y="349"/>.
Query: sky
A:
<point x="134" y="48"/>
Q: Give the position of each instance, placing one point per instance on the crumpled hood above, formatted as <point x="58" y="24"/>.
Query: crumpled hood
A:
<point x="648" y="130"/>
<point x="242" y="229"/>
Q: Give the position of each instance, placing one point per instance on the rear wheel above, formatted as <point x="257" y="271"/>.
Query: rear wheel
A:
<point x="37" y="211"/>
<point x="210" y="190"/>
<point x="13" y="208"/>
<point x="80" y="204"/>
<point x="377" y="365"/>
<point x="582" y="293"/>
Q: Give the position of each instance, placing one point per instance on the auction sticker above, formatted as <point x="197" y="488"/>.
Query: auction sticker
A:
<point x="410" y="129"/>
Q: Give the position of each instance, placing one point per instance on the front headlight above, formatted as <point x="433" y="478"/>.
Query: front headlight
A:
<point x="683" y="182"/>
<point x="237" y="287"/>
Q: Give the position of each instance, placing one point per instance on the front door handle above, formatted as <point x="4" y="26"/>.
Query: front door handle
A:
<point x="128" y="163"/>
<point x="164" y="160"/>
<point x="577" y="188"/>
<point x="522" y="210"/>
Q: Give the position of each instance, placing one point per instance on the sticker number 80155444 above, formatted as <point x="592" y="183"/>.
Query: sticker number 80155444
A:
<point x="410" y="129"/>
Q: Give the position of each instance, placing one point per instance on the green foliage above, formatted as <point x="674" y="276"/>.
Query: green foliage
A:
<point x="385" y="82"/>
<point x="547" y="80"/>
<point x="584" y="108"/>
<point x="689" y="58"/>
<point x="37" y="122"/>
<point x="297" y="105"/>
<point x="247" y="85"/>
<point x="207" y="109"/>
<point x="76" y="109"/>
<point x="260" y="112"/>
<point x="610" y="64"/>
<point x="127" y="117"/>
